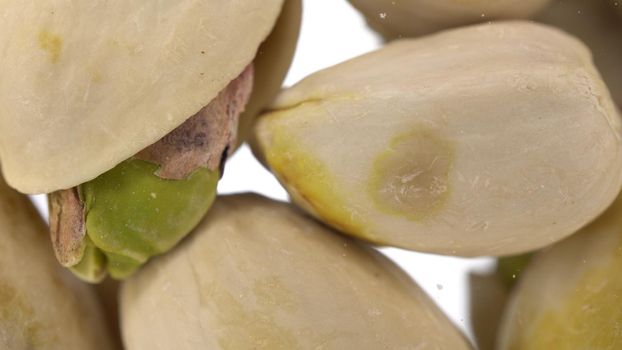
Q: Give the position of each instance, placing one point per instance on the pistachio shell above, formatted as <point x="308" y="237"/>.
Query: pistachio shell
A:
<point x="108" y="293"/>
<point x="257" y="274"/>
<point x="487" y="140"/>
<point x="569" y="296"/>
<point x="408" y="18"/>
<point x="132" y="214"/>
<point x="596" y="24"/>
<point x="489" y="293"/>
<point x="42" y="307"/>
<point x="272" y="63"/>
<point x="92" y="83"/>
<point x="488" y="297"/>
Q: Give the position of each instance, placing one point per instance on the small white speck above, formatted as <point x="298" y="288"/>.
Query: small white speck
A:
<point x="383" y="15"/>
<point x="153" y="195"/>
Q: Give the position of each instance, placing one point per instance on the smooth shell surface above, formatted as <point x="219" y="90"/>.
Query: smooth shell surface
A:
<point x="88" y="84"/>
<point x="257" y="274"/>
<point x="570" y="296"/>
<point x="408" y="18"/>
<point x="488" y="296"/>
<point x="488" y="140"/>
<point x="598" y="26"/>
<point x="42" y="306"/>
<point x="271" y="65"/>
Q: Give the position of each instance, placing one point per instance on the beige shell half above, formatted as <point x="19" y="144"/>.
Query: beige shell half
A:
<point x="569" y="296"/>
<point x="87" y="84"/>
<point x="598" y="26"/>
<point x="257" y="274"/>
<point x="409" y="18"/>
<point x="493" y="139"/>
<point x="42" y="306"/>
<point x="488" y="297"/>
<point x="274" y="57"/>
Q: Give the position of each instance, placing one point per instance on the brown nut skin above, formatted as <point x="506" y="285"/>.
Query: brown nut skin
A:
<point x="569" y="297"/>
<point x="410" y="18"/>
<point x="596" y="23"/>
<point x="257" y="274"/>
<point x="42" y="306"/>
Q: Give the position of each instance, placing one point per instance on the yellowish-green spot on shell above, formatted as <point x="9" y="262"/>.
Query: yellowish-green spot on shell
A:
<point x="411" y="177"/>
<point x="51" y="43"/>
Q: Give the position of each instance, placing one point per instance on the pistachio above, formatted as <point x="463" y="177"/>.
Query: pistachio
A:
<point x="569" y="296"/>
<point x="132" y="214"/>
<point x="407" y="18"/>
<point x="256" y="274"/>
<point x="487" y="300"/>
<point x="146" y="204"/>
<point x="494" y="139"/>
<point x="42" y="307"/>
<point x="271" y="64"/>
<point x="93" y="83"/>
<point x="596" y="24"/>
<point x="489" y="293"/>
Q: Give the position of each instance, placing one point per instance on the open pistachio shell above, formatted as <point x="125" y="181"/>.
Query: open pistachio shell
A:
<point x="272" y="63"/>
<point x="597" y="25"/>
<point x="569" y="296"/>
<point x="487" y="140"/>
<point x="257" y="274"/>
<point x="408" y="18"/>
<point x="42" y="307"/>
<point x="92" y="83"/>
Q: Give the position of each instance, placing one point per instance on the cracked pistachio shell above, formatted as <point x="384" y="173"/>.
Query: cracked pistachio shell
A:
<point x="598" y="26"/>
<point x="42" y="306"/>
<point x="132" y="215"/>
<point x="271" y="65"/>
<point x="408" y="18"/>
<point x="569" y="297"/>
<point x="256" y="274"/>
<point x="92" y="83"/>
<point x="493" y="139"/>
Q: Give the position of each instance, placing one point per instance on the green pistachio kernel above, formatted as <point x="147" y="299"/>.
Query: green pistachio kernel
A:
<point x="132" y="215"/>
<point x="92" y="267"/>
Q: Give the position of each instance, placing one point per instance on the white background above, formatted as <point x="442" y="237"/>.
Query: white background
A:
<point x="332" y="32"/>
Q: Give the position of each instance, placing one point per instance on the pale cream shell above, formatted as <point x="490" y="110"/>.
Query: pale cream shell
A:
<point x="42" y="306"/>
<point x="274" y="57"/>
<point x="525" y="130"/>
<point x="87" y="84"/>
<point x="588" y="262"/>
<point x="257" y="274"/>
